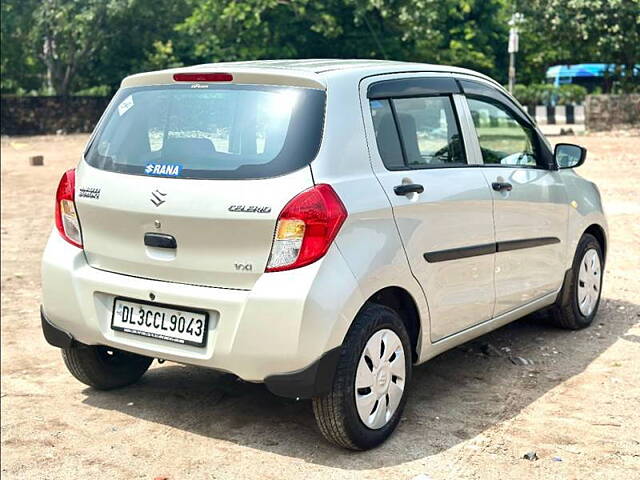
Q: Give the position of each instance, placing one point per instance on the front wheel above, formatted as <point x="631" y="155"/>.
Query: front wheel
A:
<point x="104" y="368"/>
<point x="369" y="390"/>
<point x="579" y="298"/>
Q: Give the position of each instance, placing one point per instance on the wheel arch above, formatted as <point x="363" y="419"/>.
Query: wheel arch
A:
<point x="403" y="303"/>
<point x="599" y="233"/>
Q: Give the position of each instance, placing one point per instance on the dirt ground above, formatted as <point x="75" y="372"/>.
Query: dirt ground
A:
<point x="472" y="414"/>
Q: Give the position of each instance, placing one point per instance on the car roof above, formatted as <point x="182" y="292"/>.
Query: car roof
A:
<point x="311" y="72"/>
<point x="332" y="65"/>
<point x="313" y="65"/>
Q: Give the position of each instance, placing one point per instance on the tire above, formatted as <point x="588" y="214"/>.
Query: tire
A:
<point x="336" y="412"/>
<point x="104" y="368"/>
<point x="570" y="310"/>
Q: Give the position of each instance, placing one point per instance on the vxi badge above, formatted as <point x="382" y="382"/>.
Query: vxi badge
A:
<point x="249" y="209"/>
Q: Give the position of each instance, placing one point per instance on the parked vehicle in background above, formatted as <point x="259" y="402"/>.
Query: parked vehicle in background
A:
<point x="320" y="226"/>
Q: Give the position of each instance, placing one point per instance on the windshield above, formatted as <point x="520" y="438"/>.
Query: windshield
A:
<point x="209" y="131"/>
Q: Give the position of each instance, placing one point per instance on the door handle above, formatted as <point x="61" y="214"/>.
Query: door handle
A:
<point x="501" y="186"/>
<point x="407" y="188"/>
<point x="160" y="240"/>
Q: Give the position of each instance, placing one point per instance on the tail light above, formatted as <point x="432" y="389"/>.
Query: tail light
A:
<point x="66" y="215"/>
<point x="306" y="227"/>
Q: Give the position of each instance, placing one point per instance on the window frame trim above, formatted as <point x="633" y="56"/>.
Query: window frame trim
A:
<point x="375" y="159"/>
<point x="501" y="100"/>
<point x="457" y="119"/>
<point x="525" y="127"/>
<point x="422" y="86"/>
<point x="400" y="139"/>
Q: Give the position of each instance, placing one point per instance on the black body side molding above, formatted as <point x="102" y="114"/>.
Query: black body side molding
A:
<point x="53" y="335"/>
<point x="312" y="381"/>
<point x="526" y="243"/>
<point x="464" y="252"/>
<point x="487" y="249"/>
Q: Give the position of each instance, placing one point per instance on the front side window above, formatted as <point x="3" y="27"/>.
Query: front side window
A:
<point x="503" y="140"/>
<point x="417" y="132"/>
<point x="218" y="131"/>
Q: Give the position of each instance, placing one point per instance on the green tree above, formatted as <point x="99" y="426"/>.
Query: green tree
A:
<point x="143" y="38"/>
<point x="577" y="31"/>
<point x="464" y="32"/>
<point x="89" y="45"/>
<point x="467" y="33"/>
<point x="20" y="67"/>
<point x="70" y="33"/>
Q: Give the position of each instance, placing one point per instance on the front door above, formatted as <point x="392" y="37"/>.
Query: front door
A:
<point x="530" y="206"/>
<point x="442" y="205"/>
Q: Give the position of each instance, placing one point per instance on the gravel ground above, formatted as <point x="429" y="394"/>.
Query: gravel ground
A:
<point x="471" y="414"/>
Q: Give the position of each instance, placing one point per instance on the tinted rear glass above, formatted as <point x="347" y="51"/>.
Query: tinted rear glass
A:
<point x="212" y="131"/>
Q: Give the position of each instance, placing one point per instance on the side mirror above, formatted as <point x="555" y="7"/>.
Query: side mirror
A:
<point x="568" y="155"/>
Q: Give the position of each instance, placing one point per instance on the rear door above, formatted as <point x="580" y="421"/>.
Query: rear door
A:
<point x="441" y="200"/>
<point x="185" y="184"/>
<point x="530" y="202"/>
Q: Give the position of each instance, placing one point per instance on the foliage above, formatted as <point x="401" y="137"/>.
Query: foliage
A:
<point x="97" y="91"/>
<point x="581" y="31"/>
<point x="70" y="32"/>
<point x="67" y="46"/>
<point x="571" y="94"/>
<point x="18" y="62"/>
<point x="462" y="32"/>
<point x="547" y="94"/>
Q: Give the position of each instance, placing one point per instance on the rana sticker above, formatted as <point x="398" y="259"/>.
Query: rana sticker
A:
<point x="166" y="170"/>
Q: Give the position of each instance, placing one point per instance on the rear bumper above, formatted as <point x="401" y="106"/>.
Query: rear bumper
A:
<point x="277" y="333"/>
<point x="309" y="382"/>
<point x="54" y="335"/>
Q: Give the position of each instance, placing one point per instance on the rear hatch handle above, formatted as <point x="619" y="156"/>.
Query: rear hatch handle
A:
<point x="160" y="240"/>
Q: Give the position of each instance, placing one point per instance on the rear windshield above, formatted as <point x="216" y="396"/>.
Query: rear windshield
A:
<point x="209" y="131"/>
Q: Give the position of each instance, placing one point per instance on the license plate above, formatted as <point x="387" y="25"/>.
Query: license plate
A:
<point x="164" y="322"/>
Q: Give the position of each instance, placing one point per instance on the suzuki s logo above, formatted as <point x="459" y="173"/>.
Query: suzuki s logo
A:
<point x="157" y="197"/>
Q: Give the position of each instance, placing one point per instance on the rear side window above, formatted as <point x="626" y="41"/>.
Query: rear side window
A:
<point x="215" y="132"/>
<point x="429" y="132"/>
<point x="387" y="134"/>
<point x="417" y="132"/>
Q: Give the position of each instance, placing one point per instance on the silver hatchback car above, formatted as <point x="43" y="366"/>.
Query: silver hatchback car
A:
<point x="319" y="226"/>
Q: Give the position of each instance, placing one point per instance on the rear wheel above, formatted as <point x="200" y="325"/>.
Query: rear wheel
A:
<point x="369" y="390"/>
<point x="104" y="368"/>
<point x="579" y="299"/>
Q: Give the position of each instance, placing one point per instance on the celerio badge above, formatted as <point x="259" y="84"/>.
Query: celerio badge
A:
<point x="249" y="209"/>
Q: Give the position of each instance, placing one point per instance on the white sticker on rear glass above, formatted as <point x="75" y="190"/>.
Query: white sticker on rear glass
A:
<point x="126" y="104"/>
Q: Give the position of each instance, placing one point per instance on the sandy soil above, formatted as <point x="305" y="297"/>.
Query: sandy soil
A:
<point x="471" y="414"/>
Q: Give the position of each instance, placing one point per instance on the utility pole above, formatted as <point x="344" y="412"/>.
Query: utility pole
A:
<point x="516" y="19"/>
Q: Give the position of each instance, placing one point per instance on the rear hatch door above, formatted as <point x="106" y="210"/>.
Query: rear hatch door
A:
<point x="185" y="184"/>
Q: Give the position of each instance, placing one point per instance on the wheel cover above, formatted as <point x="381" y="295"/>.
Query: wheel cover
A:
<point x="380" y="379"/>
<point x="589" y="282"/>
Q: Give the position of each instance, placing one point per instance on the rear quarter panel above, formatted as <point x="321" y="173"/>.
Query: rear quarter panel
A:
<point x="369" y="239"/>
